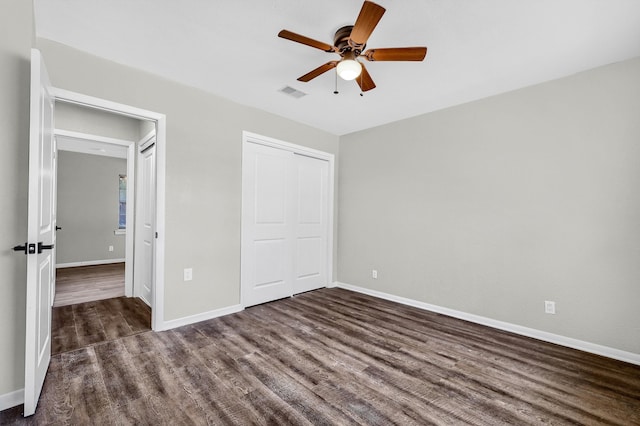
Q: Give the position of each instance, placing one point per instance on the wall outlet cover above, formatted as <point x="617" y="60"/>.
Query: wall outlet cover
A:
<point x="549" y="307"/>
<point x="188" y="274"/>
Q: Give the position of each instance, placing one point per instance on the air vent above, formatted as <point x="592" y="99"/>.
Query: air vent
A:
<point x="287" y="90"/>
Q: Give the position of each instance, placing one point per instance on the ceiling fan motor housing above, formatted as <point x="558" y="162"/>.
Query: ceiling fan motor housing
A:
<point x="341" y="41"/>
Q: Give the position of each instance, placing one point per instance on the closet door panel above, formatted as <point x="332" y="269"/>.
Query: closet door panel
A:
<point x="310" y="223"/>
<point x="267" y="224"/>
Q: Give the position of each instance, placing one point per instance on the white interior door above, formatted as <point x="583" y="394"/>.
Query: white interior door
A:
<point x="311" y="223"/>
<point x="266" y="272"/>
<point x="146" y="213"/>
<point x="41" y="235"/>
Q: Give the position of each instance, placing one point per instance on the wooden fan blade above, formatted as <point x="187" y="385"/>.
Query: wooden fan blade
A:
<point x="365" y="81"/>
<point x="320" y="70"/>
<point x="306" y="40"/>
<point x="369" y="16"/>
<point x="396" y="54"/>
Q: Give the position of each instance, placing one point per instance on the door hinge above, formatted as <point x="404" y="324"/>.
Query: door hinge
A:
<point x="156" y="235"/>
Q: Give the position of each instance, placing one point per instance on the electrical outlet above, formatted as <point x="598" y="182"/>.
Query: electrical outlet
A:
<point x="549" y="307"/>
<point x="188" y="274"/>
<point x="374" y="274"/>
<point x="110" y="248"/>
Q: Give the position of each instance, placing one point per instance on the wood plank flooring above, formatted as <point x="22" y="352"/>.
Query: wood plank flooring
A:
<point x="85" y="324"/>
<point x="88" y="283"/>
<point x="334" y="357"/>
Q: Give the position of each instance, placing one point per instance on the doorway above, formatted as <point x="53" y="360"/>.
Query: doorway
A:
<point x="92" y="176"/>
<point x="95" y="263"/>
<point x="93" y="197"/>
<point x="153" y="128"/>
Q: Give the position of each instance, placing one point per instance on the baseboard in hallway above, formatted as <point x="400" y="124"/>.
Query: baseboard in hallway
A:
<point x="11" y="399"/>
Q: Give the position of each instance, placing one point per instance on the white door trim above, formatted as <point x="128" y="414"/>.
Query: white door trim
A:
<point x="81" y="137"/>
<point x="61" y="95"/>
<point x="287" y="146"/>
<point x="248" y="137"/>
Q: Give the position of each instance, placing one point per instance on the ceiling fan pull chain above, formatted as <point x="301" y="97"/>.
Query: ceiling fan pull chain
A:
<point x="335" y="92"/>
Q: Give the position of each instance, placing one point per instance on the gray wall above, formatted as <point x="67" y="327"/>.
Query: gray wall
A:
<point x="203" y="176"/>
<point x="16" y="37"/>
<point x="495" y="206"/>
<point x="88" y="207"/>
<point x="96" y="122"/>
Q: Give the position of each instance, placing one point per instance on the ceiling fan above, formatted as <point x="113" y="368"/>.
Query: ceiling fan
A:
<point x="349" y="42"/>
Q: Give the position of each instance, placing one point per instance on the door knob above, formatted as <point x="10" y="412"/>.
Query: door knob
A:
<point x="44" y="247"/>
<point x="26" y="248"/>
<point x="58" y="228"/>
<point x="21" y="248"/>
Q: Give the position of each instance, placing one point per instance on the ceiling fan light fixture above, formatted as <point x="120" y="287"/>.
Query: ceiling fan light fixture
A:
<point x="348" y="68"/>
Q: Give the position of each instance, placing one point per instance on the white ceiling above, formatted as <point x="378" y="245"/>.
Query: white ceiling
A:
<point x="230" y="48"/>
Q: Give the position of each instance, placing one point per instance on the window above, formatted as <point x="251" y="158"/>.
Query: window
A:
<point x="122" y="198"/>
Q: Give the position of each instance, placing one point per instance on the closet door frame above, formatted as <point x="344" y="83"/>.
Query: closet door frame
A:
<point x="248" y="137"/>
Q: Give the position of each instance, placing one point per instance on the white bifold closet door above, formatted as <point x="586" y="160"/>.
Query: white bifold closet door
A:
<point x="284" y="223"/>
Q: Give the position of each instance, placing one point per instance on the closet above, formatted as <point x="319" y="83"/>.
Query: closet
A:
<point x="286" y="217"/>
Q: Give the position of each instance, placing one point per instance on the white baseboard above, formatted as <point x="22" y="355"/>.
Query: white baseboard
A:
<point x="89" y="263"/>
<point x="11" y="399"/>
<point x="618" y="354"/>
<point x="168" y="325"/>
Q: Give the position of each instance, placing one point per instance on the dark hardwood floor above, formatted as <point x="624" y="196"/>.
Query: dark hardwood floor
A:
<point x="334" y="357"/>
<point x="88" y="283"/>
<point x="85" y="324"/>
